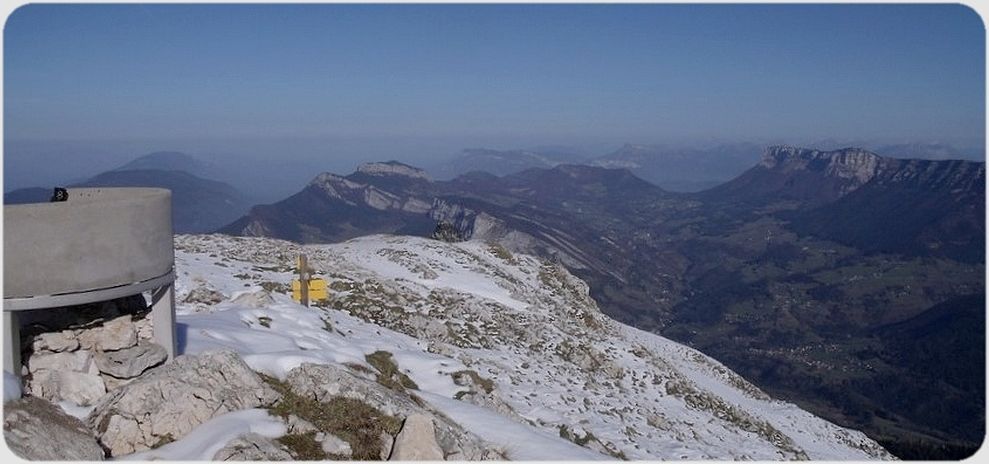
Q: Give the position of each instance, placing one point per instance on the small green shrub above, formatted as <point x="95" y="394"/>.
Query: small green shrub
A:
<point x="352" y="420"/>
<point x="275" y="287"/>
<point x="486" y="384"/>
<point x="303" y="447"/>
<point x="501" y="252"/>
<point x="389" y="375"/>
<point x="163" y="440"/>
<point x="359" y="368"/>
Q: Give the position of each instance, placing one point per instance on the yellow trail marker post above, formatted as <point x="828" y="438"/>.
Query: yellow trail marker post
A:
<point x="305" y="287"/>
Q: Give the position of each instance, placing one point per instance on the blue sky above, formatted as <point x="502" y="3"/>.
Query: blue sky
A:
<point x="631" y="72"/>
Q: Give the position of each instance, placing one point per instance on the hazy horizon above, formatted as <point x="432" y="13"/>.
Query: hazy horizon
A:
<point x="325" y="87"/>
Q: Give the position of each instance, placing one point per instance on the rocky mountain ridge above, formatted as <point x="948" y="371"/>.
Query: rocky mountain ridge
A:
<point x="502" y="162"/>
<point x="849" y="163"/>
<point x="754" y="271"/>
<point x="859" y="167"/>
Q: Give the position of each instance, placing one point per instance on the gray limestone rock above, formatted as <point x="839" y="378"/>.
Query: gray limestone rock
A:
<point x="169" y="401"/>
<point x="323" y="382"/>
<point x="54" y="342"/>
<point x="257" y="299"/>
<point x="416" y="441"/>
<point x="78" y="361"/>
<point x="326" y="381"/>
<point x="32" y="426"/>
<point x="387" y="441"/>
<point x="252" y="447"/>
<point x="80" y="388"/>
<point x="130" y="362"/>
<point x="205" y="295"/>
<point x="69" y="376"/>
<point x="115" y="334"/>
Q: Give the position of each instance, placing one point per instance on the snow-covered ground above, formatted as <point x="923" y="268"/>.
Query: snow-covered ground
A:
<point x="562" y="372"/>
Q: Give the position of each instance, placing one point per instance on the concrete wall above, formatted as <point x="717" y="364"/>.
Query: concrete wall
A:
<point x="99" y="238"/>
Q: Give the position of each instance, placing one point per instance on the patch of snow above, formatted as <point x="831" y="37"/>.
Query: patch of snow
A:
<point x="203" y="442"/>
<point x="519" y="441"/>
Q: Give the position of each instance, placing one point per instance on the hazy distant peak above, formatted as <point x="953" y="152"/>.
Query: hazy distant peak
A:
<point x="392" y="168"/>
<point x="583" y="169"/>
<point x="178" y="161"/>
<point x="629" y="156"/>
<point x="493" y="152"/>
<point x="631" y="151"/>
<point x="582" y="174"/>
<point x="635" y="147"/>
<point x="165" y="160"/>
<point x="165" y="154"/>
<point x="521" y="157"/>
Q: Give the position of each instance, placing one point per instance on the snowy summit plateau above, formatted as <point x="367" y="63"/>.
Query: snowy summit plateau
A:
<point x="502" y="355"/>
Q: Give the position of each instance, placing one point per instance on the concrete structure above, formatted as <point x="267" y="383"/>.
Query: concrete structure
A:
<point x="100" y="244"/>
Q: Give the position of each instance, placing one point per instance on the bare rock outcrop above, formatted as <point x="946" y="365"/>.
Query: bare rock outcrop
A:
<point x="33" y="427"/>
<point x="416" y="441"/>
<point x="169" y="401"/>
<point x="323" y="382"/>
<point x="252" y="447"/>
<point x="204" y="295"/>
<point x="258" y="299"/>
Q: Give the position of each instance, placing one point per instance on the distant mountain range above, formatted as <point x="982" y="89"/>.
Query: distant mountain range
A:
<point x="805" y="273"/>
<point x="502" y="162"/>
<point x="677" y="168"/>
<point x="683" y="169"/>
<point x="680" y="169"/>
<point x="198" y="204"/>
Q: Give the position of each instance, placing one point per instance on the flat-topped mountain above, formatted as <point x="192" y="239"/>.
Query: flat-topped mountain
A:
<point x="814" y="177"/>
<point x="802" y="175"/>
<point x="874" y="203"/>
<point x="392" y="168"/>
